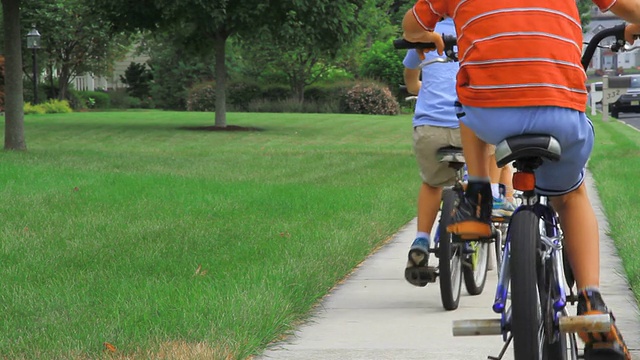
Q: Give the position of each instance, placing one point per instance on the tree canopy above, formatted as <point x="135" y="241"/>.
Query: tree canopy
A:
<point x="326" y="25"/>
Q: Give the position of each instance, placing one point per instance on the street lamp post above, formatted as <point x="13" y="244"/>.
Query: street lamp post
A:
<point x="33" y="43"/>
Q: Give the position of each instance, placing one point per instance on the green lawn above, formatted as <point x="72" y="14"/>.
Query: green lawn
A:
<point x="615" y="164"/>
<point x="120" y="228"/>
<point x="107" y="218"/>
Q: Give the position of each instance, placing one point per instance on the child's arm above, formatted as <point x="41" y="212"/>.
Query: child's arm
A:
<point x="419" y="21"/>
<point x="412" y="80"/>
<point x="626" y="9"/>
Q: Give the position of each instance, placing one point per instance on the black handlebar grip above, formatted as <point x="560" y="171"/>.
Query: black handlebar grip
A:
<point x="449" y="42"/>
<point x="404" y="44"/>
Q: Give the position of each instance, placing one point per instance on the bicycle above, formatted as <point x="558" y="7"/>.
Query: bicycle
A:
<point x="457" y="262"/>
<point x="533" y="314"/>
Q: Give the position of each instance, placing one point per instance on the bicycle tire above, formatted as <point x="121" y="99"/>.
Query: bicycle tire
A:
<point x="450" y="266"/>
<point x="526" y="309"/>
<point x="476" y="276"/>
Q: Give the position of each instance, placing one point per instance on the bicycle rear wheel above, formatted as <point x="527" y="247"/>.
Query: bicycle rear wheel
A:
<point x="450" y="266"/>
<point x="475" y="268"/>
<point x="526" y="309"/>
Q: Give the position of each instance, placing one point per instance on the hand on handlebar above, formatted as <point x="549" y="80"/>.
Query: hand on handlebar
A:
<point x="631" y="32"/>
<point x="429" y="37"/>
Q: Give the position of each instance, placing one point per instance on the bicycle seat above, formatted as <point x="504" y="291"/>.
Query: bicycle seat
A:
<point x="527" y="146"/>
<point x="451" y="154"/>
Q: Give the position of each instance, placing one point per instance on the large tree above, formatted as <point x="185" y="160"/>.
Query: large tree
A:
<point x="14" y="112"/>
<point x="75" y="40"/>
<point x="211" y="23"/>
<point x="301" y="49"/>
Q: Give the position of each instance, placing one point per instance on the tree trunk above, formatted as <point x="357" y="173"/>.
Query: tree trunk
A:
<point x="221" y="79"/>
<point x="14" y="101"/>
<point x="63" y="82"/>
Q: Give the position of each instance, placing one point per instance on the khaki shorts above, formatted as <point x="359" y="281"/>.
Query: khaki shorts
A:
<point x="426" y="142"/>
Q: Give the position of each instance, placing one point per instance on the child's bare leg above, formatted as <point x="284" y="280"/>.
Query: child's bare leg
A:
<point x="416" y="272"/>
<point x="472" y="217"/>
<point x="506" y="178"/>
<point x="581" y="238"/>
<point x="582" y="242"/>
<point x="494" y="170"/>
<point x="475" y="153"/>
<point x="428" y="207"/>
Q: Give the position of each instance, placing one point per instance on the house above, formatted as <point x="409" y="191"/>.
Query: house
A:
<point x="89" y="82"/>
<point x="604" y="58"/>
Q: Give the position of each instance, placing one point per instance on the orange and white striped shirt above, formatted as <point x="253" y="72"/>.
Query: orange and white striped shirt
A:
<point x="515" y="52"/>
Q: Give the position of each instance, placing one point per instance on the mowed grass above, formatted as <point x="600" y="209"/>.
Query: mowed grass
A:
<point x="615" y="164"/>
<point x="119" y="228"/>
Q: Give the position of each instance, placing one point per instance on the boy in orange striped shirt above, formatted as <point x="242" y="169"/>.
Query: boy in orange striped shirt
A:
<point x="520" y="72"/>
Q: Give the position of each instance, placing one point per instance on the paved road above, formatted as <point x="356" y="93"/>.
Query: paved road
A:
<point x="631" y="119"/>
<point x="375" y="314"/>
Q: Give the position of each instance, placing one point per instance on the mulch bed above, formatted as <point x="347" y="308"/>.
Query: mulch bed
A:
<point x="219" y="128"/>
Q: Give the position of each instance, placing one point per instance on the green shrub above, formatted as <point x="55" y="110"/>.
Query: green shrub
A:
<point x="327" y="91"/>
<point x="30" y="109"/>
<point x="202" y="97"/>
<point x="276" y="92"/>
<point x="76" y="100"/>
<point x="120" y="99"/>
<point x="240" y="94"/>
<point x="95" y="99"/>
<point x="383" y="63"/>
<point x="369" y="98"/>
<point x="56" y="107"/>
<point x="27" y="91"/>
<point x="138" y="80"/>
<point x="50" y="107"/>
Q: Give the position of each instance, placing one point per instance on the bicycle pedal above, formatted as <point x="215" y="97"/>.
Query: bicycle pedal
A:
<point x="586" y="323"/>
<point x="477" y="327"/>
<point x="421" y="276"/>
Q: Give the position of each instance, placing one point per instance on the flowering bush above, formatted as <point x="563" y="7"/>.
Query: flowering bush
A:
<point x="369" y="98"/>
<point x="202" y="97"/>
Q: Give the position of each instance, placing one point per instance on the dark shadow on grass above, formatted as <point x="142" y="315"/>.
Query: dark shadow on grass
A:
<point x="220" y="128"/>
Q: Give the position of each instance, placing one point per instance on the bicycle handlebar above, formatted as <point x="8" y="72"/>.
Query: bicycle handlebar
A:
<point x="449" y="42"/>
<point x="617" y="31"/>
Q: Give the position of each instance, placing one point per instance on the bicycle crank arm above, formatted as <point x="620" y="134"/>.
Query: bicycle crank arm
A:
<point x="477" y="327"/>
<point x="586" y="323"/>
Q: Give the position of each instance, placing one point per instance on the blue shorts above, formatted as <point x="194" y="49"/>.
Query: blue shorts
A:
<point x="572" y="128"/>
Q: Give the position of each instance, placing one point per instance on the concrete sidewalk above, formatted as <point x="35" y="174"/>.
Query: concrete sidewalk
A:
<point x="375" y="314"/>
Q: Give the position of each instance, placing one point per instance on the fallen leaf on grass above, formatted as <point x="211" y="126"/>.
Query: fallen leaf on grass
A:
<point x="200" y="271"/>
<point x="109" y="347"/>
<point x="285" y="234"/>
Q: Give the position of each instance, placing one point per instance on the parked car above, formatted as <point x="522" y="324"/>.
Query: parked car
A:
<point x="629" y="102"/>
